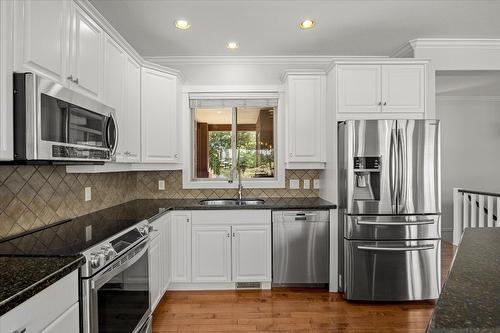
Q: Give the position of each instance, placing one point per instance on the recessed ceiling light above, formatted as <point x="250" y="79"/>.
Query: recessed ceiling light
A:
<point x="232" y="45"/>
<point x="307" y="24"/>
<point x="182" y="24"/>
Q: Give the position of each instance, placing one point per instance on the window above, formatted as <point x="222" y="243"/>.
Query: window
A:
<point x="234" y="136"/>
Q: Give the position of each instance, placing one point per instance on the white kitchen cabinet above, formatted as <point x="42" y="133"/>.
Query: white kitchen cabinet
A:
<point x="42" y="37"/>
<point x="155" y="269"/>
<point x="359" y="88"/>
<point x="167" y="251"/>
<point x="251" y="253"/>
<point x="6" y="127"/>
<point x="86" y="54"/>
<point x="306" y="128"/>
<point x="130" y="126"/>
<point x="159" y="119"/>
<point x="403" y="88"/>
<point x="211" y="253"/>
<point x="380" y="88"/>
<point x="51" y="310"/>
<point x="69" y="321"/>
<point x="114" y="88"/>
<point x="181" y="246"/>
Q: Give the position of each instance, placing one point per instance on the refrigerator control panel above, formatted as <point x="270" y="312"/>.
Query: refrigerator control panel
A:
<point x="367" y="163"/>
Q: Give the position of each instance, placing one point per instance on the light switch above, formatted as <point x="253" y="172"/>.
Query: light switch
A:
<point x="88" y="193"/>
<point x="307" y="184"/>
<point x="294" y="184"/>
<point x="316" y="184"/>
<point x="161" y="185"/>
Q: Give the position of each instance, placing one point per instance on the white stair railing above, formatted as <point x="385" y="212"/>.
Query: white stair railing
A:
<point x="474" y="209"/>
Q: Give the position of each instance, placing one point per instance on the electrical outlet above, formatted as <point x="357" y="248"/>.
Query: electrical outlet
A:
<point x="307" y="184"/>
<point x="161" y="185"/>
<point x="294" y="184"/>
<point x="88" y="193"/>
<point x="88" y="233"/>
<point x="316" y="184"/>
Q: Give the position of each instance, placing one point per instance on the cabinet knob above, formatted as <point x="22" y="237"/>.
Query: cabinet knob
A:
<point x="385" y="103"/>
<point x="234" y="234"/>
<point x="22" y="330"/>
<point x="187" y="220"/>
<point x="76" y="81"/>
<point x="228" y="235"/>
<point x="176" y="155"/>
<point x="70" y="78"/>
<point x="379" y="103"/>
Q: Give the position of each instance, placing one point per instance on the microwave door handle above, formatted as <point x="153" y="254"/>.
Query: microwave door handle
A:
<point x="114" y="146"/>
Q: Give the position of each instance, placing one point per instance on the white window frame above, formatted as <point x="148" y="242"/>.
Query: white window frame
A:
<point x="233" y="92"/>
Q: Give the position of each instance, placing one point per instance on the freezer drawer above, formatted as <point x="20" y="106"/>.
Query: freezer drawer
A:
<point x="300" y="248"/>
<point x="392" y="227"/>
<point x="392" y="270"/>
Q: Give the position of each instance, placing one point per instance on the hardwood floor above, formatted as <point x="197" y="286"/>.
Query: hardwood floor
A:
<point x="289" y="310"/>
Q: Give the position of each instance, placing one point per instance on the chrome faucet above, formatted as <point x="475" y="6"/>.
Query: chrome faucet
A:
<point x="240" y="186"/>
<point x="231" y="180"/>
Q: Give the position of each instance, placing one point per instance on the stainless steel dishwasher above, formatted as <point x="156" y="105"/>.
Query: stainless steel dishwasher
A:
<point x="301" y="248"/>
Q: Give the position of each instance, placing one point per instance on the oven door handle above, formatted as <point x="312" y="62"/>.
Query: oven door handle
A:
<point x="107" y="274"/>
<point x="397" y="249"/>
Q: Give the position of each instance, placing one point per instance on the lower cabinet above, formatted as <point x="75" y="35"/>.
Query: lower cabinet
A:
<point x="251" y="253"/>
<point x="181" y="246"/>
<point x="155" y="269"/>
<point x="231" y="246"/>
<point x="211" y="253"/>
<point x="53" y="310"/>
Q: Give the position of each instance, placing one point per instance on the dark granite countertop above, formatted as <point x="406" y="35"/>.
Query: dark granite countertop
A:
<point x="32" y="261"/>
<point x="470" y="300"/>
<point x="21" y="277"/>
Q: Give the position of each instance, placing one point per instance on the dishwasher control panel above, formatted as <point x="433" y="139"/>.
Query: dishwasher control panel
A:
<point x="301" y="215"/>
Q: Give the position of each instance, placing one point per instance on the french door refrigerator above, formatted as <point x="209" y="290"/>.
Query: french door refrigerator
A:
<point x="390" y="209"/>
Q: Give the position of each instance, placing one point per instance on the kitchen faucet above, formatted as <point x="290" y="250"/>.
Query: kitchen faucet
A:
<point x="238" y="168"/>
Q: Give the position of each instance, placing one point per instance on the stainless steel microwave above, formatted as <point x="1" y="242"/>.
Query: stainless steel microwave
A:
<point x="55" y="124"/>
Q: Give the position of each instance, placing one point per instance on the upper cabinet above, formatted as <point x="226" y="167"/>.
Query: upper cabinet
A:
<point x="6" y="135"/>
<point x="159" y="125"/>
<point x="42" y="37"/>
<point x="86" y="59"/>
<point x="381" y="88"/>
<point x="305" y="124"/>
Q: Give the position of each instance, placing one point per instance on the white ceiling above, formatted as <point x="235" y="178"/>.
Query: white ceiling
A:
<point x="468" y="83"/>
<point x="270" y="27"/>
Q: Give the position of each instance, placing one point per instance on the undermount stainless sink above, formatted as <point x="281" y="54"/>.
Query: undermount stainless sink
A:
<point x="231" y="202"/>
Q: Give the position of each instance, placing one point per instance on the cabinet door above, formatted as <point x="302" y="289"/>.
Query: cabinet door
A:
<point x="159" y="117"/>
<point x="113" y="92"/>
<point x="403" y="88"/>
<point x="181" y="246"/>
<point x="211" y="253"/>
<point x="251" y="255"/>
<point x="130" y="129"/>
<point x="306" y="118"/>
<point x="155" y="270"/>
<point x="86" y="60"/>
<point x="167" y="257"/>
<point x="68" y="322"/>
<point x="6" y="127"/>
<point x="359" y="88"/>
<point x="42" y="35"/>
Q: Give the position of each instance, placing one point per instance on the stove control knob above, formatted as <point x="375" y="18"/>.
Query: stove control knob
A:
<point x="143" y="230"/>
<point x="95" y="260"/>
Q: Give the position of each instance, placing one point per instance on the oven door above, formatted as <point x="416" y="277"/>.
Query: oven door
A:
<point x="118" y="296"/>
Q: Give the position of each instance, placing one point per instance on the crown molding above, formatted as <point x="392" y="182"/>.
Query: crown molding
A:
<point x="164" y="69"/>
<point x="252" y="60"/>
<point x="468" y="98"/>
<point x="445" y="43"/>
<point x="405" y="51"/>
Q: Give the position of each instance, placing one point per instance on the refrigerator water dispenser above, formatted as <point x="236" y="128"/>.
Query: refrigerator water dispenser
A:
<point x="367" y="178"/>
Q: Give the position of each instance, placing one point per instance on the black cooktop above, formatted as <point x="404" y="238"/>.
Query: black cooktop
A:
<point x="76" y="235"/>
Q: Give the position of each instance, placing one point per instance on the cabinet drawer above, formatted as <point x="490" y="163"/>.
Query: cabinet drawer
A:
<point x="38" y="312"/>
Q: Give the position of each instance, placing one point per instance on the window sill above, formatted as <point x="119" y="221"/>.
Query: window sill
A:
<point x="221" y="184"/>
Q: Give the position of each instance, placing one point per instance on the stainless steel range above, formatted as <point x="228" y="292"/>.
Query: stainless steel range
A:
<point x="115" y="283"/>
<point x="389" y="206"/>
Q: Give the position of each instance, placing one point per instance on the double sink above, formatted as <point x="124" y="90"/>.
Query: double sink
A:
<point x="231" y="202"/>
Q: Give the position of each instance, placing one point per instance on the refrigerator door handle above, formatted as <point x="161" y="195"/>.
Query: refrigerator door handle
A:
<point x="396" y="249"/>
<point x="392" y="170"/>
<point x="388" y="223"/>
<point x="401" y="161"/>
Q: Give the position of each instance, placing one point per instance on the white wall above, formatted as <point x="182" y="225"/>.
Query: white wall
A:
<point x="470" y="148"/>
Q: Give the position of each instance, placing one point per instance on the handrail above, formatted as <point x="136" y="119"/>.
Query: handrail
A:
<point x="484" y="209"/>
<point x="490" y="194"/>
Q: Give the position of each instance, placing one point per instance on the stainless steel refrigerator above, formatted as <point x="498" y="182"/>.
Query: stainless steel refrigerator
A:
<point x="390" y="209"/>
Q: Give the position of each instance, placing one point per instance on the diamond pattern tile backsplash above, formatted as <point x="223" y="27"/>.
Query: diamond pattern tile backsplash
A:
<point x="34" y="196"/>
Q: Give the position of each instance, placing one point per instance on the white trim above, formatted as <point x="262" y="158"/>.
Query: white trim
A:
<point x="122" y="167"/>
<point x="288" y="72"/>
<point x="211" y="286"/>
<point x="235" y="89"/>
<point x="468" y="98"/>
<point x="164" y="69"/>
<point x="405" y="51"/>
<point x="452" y="43"/>
<point x="379" y="61"/>
<point x="216" y="92"/>
<point x="305" y="165"/>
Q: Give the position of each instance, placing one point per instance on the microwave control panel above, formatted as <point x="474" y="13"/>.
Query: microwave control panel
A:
<point x="83" y="153"/>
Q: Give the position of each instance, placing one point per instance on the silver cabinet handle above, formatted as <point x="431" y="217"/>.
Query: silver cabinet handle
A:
<point x="385" y="103"/>
<point x="176" y="155"/>
<point x="228" y="235"/>
<point x="234" y="234"/>
<point x="187" y="220"/>
<point x="379" y="103"/>
<point x="22" y="330"/>
<point x="301" y="214"/>
<point x="397" y="249"/>
<point x="71" y="79"/>
<point x="387" y="223"/>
